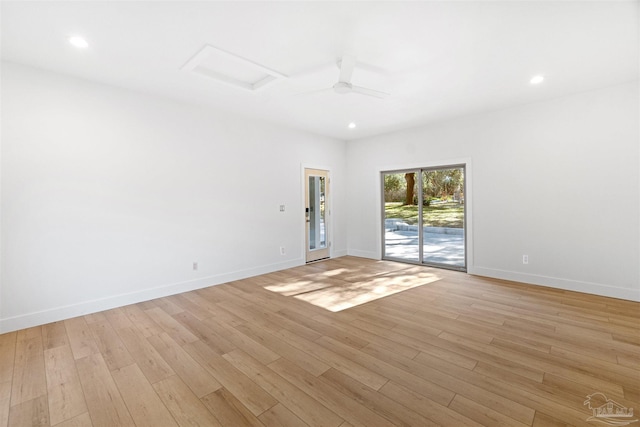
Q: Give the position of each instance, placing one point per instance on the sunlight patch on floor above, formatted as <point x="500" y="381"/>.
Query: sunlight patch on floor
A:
<point x="342" y="288"/>
<point x="337" y="298"/>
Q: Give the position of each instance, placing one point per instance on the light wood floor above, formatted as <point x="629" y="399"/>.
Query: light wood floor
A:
<point x="458" y="350"/>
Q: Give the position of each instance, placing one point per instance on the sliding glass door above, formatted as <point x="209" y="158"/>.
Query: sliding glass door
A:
<point x="424" y="216"/>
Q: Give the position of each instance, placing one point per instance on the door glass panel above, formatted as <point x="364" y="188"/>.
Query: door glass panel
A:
<point x="401" y="216"/>
<point x="424" y="216"/>
<point x="317" y="218"/>
<point x="443" y="217"/>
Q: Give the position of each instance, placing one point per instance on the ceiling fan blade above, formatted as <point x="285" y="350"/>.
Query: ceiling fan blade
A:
<point x="369" y="92"/>
<point x="347" y="64"/>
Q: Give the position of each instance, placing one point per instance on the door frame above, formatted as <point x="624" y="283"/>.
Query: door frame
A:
<point x="328" y="207"/>
<point x="468" y="201"/>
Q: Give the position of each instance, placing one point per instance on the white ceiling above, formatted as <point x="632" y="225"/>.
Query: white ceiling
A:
<point x="437" y="59"/>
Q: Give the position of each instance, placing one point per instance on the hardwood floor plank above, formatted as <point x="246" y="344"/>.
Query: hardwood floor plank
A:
<point x="80" y="337"/>
<point x="280" y="348"/>
<point x="150" y="362"/>
<point x="247" y="343"/>
<point x="598" y="368"/>
<point x="379" y="403"/>
<point x="543" y="420"/>
<point x="429" y="409"/>
<point x="106" y="406"/>
<point x="321" y="328"/>
<point x="5" y="405"/>
<point x="146" y="305"/>
<point x="167" y="305"/>
<point x="82" y="420"/>
<point x="537" y="396"/>
<point x="29" y="380"/>
<point x="54" y="335"/>
<point x="143" y="403"/>
<point x="188" y="306"/>
<point x="141" y="321"/>
<point x="280" y="416"/>
<point x="393" y="371"/>
<point x="64" y="391"/>
<point x="7" y="356"/>
<point x="444" y="378"/>
<point x="30" y="413"/>
<point x="171" y="326"/>
<point x="229" y="410"/>
<point x="248" y="313"/>
<point x="230" y="298"/>
<point x="95" y="317"/>
<point x="483" y="414"/>
<point x="5" y="390"/>
<point x="190" y="371"/>
<point x="298" y="402"/>
<point x="113" y="350"/>
<point x="269" y="312"/>
<point x="504" y="363"/>
<point x="568" y="391"/>
<point x="251" y="396"/>
<point x="541" y="363"/>
<point x="197" y="299"/>
<point x="521" y="345"/>
<point x="211" y="336"/>
<point x="185" y="406"/>
<point x="349" y="332"/>
<point x="630" y="338"/>
<point x="323" y="392"/>
<point x="631" y="394"/>
<point x="363" y="374"/>
<point x="118" y="319"/>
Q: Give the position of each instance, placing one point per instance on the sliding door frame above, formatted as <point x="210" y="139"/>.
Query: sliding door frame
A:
<point x="465" y="164"/>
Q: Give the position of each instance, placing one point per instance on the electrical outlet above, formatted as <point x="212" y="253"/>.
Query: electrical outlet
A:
<point x="195" y="266"/>
<point x="282" y="250"/>
<point x="282" y="208"/>
<point x="525" y="259"/>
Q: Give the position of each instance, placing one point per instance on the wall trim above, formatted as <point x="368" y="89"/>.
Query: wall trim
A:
<point x="363" y="254"/>
<point x="339" y="253"/>
<point x="92" y="306"/>
<point x="559" y="283"/>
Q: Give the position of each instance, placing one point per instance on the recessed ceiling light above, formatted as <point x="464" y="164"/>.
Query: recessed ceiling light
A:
<point x="352" y="125"/>
<point x="536" y="79"/>
<point x="78" y="42"/>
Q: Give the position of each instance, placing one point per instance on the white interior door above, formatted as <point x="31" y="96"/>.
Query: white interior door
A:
<point x="316" y="214"/>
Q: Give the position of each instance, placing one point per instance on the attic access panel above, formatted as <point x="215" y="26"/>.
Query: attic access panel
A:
<point x="231" y="69"/>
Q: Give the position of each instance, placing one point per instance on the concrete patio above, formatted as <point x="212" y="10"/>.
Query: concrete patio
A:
<point x="440" y="245"/>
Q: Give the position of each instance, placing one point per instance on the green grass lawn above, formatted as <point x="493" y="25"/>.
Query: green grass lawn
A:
<point x="449" y="214"/>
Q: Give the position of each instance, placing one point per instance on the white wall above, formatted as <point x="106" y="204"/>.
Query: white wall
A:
<point x="109" y="196"/>
<point x="556" y="180"/>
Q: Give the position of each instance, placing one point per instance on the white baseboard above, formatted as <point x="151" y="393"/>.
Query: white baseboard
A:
<point x="555" y="282"/>
<point x="363" y="254"/>
<point x="338" y="254"/>
<point x="86" y="307"/>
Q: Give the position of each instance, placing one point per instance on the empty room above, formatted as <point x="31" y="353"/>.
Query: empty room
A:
<point x="319" y="213"/>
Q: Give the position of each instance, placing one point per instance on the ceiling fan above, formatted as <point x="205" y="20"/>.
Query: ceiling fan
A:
<point x="343" y="86"/>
